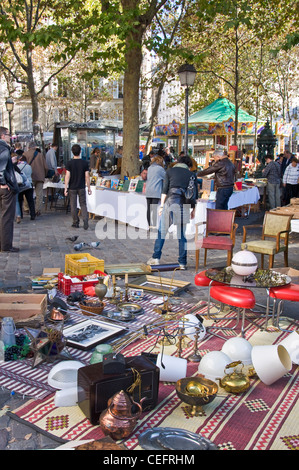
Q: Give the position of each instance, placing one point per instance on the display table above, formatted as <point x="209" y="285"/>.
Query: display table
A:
<point x="130" y="207"/>
<point x="48" y="184"/>
<point x="238" y="198"/>
<point x="127" y="207"/>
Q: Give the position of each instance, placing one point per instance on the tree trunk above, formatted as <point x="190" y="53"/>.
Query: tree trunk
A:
<point x="37" y="132"/>
<point x="130" y="160"/>
<point x="154" y="116"/>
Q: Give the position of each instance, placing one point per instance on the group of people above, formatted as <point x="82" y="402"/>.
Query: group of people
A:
<point x="166" y="154"/>
<point x="166" y="193"/>
<point x="283" y="179"/>
<point x="34" y="168"/>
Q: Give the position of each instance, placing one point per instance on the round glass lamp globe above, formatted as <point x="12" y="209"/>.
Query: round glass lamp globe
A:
<point x="244" y="263"/>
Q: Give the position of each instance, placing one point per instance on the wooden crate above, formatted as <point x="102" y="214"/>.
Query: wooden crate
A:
<point x="22" y="306"/>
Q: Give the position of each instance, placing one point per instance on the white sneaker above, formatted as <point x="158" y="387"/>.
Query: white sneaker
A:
<point x="152" y="261"/>
<point x="183" y="267"/>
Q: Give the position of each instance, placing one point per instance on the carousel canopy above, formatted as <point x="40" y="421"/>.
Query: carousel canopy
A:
<point x="220" y="110"/>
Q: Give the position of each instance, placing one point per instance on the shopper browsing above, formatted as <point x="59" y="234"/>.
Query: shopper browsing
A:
<point x="76" y="178"/>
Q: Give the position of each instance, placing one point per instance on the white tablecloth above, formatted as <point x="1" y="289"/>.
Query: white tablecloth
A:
<point x="50" y="184"/>
<point x="130" y="207"/>
<point x="237" y="199"/>
<point x="295" y="225"/>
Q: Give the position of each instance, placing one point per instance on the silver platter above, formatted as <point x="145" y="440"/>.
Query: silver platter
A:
<point x="132" y="307"/>
<point x="174" y="439"/>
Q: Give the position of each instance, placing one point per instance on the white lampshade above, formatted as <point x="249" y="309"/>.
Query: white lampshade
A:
<point x="187" y="74"/>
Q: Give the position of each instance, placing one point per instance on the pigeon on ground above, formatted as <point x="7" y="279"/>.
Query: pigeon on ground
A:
<point x="72" y="239"/>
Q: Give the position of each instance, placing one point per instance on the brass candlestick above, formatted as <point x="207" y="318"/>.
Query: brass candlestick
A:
<point x="195" y="357"/>
<point x="126" y="287"/>
<point x="113" y="300"/>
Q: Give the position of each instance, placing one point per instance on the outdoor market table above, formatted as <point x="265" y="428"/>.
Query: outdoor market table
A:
<point x="238" y="198"/>
<point x="48" y="184"/>
<point x="131" y="207"/>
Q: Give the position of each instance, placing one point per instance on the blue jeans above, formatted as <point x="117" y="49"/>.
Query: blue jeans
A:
<point x="222" y="197"/>
<point x="162" y="232"/>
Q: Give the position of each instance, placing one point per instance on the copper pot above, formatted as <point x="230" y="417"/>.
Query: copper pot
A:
<point x="117" y="420"/>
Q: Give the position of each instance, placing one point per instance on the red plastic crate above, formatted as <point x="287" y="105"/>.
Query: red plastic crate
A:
<point x="67" y="287"/>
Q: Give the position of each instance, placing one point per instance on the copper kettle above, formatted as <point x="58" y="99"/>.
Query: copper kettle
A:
<point x="117" y="420"/>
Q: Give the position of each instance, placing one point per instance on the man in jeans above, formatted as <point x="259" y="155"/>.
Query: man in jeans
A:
<point x="224" y="171"/>
<point x="273" y="173"/>
<point x="76" y="178"/>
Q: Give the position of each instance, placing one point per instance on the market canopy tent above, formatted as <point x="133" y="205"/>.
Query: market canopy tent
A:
<point x="220" y="110"/>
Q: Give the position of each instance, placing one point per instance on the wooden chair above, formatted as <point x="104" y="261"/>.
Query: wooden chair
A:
<point x="274" y="239"/>
<point x="219" y="222"/>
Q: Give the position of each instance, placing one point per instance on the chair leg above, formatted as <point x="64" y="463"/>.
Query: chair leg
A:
<point x="286" y="261"/>
<point x="205" y="258"/>
<point x="196" y="260"/>
<point x="229" y="257"/>
<point x="262" y="261"/>
<point x="271" y="261"/>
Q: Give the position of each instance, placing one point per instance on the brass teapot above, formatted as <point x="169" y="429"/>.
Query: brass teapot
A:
<point x="117" y="420"/>
<point x="236" y="382"/>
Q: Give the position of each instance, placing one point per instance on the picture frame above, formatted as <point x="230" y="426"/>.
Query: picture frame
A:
<point x="133" y="184"/>
<point x="88" y="333"/>
<point x="133" y="269"/>
<point x="158" y="285"/>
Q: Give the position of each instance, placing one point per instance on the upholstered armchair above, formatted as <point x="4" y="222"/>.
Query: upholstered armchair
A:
<point x="222" y="223"/>
<point x="274" y="239"/>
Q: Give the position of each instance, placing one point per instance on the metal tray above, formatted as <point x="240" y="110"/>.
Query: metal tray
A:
<point x="132" y="307"/>
<point x="174" y="439"/>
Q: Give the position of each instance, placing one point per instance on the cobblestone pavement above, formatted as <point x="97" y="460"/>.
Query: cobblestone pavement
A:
<point x="43" y="243"/>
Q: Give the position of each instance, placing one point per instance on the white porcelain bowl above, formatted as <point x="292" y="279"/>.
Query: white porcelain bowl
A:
<point x="64" y="374"/>
<point x="238" y="349"/>
<point x="213" y="364"/>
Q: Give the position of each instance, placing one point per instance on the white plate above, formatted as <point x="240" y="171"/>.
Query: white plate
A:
<point x="157" y="301"/>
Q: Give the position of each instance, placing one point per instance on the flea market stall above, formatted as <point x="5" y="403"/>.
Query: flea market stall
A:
<point x="118" y="360"/>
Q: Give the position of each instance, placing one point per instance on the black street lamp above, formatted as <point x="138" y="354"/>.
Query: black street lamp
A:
<point x="9" y="103"/>
<point x="187" y="74"/>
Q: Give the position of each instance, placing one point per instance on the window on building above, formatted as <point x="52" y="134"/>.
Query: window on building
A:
<point x="118" y="89"/>
<point x="93" y="115"/>
<point x="27" y="119"/>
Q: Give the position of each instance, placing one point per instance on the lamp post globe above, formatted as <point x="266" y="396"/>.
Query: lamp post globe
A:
<point x="9" y="103"/>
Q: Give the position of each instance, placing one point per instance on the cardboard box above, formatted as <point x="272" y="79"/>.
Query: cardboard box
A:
<point x="294" y="200"/>
<point x="51" y="272"/>
<point x="287" y="210"/>
<point x="22" y="306"/>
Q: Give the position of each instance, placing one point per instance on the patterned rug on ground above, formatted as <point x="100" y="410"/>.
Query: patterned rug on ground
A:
<point x="262" y="418"/>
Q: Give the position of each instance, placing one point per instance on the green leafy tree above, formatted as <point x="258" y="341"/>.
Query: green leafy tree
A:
<point x="26" y="28"/>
